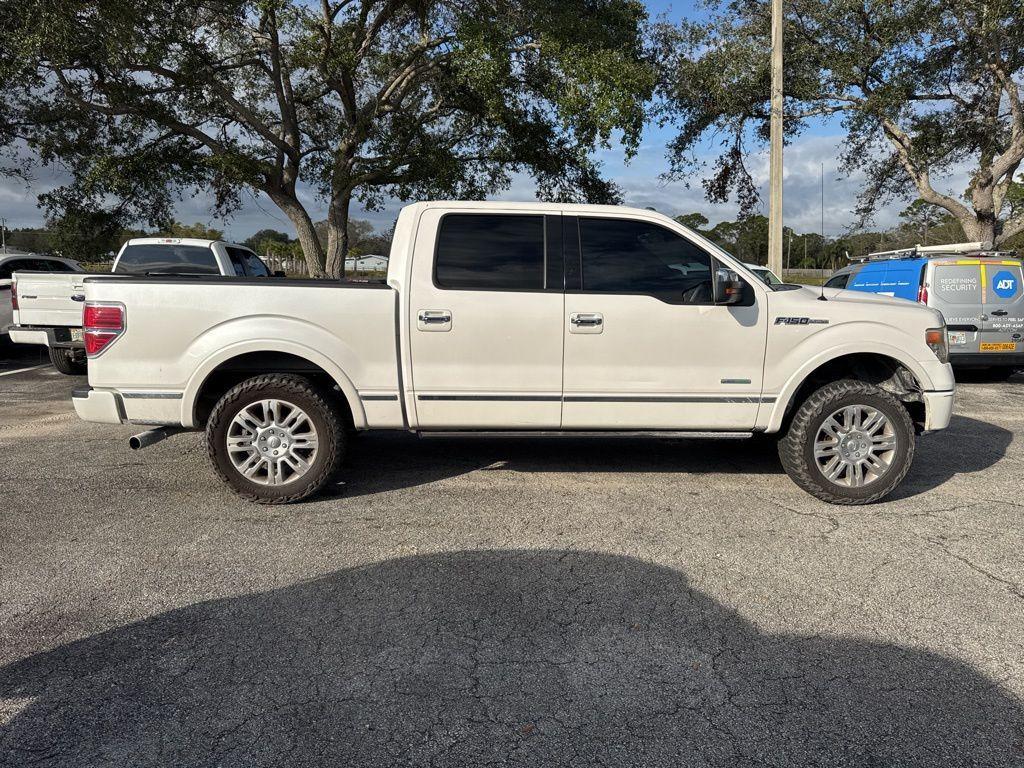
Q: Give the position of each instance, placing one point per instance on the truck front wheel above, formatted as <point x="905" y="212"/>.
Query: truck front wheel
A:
<point x="850" y="442"/>
<point x="70" y="362"/>
<point x="275" y="438"/>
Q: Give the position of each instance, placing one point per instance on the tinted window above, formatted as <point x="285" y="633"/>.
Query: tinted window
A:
<point x="839" y="281"/>
<point x="622" y="256"/>
<point x="32" y="265"/>
<point x="167" y="258"/>
<point x="10" y="267"/>
<point x="490" y="252"/>
<point x="237" y="261"/>
<point x="254" y="266"/>
<point x="46" y="265"/>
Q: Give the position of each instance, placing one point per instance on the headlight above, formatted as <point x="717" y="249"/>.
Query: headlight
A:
<point x="935" y="338"/>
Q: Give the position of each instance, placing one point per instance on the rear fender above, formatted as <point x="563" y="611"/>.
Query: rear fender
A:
<point x="221" y="344"/>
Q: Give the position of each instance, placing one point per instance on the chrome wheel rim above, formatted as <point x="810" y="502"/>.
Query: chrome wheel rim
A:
<point x="855" y="446"/>
<point x="272" y="442"/>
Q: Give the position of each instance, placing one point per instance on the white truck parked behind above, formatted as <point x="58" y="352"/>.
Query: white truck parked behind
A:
<point x="48" y="306"/>
<point x="520" y="318"/>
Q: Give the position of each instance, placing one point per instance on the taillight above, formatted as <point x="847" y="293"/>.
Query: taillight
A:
<point x="102" y="323"/>
<point x="922" y="294"/>
<point x="14" y="295"/>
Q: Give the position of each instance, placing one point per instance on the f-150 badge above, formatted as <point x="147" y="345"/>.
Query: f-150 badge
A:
<point x="799" y="321"/>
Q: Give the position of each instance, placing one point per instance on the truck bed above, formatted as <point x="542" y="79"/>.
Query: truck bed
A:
<point x="180" y="329"/>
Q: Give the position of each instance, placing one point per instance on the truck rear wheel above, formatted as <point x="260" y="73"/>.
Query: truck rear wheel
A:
<point x="849" y="443"/>
<point x="70" y="362"/>
<point x="275" y="439"/>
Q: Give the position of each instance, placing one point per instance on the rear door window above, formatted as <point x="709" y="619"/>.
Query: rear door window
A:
<point x="167" y="259"/>
<point x="957" y="284"/>
<point x="490" y="252"/>
<point x="249" y="263"/>
<point x="237" y="261"/>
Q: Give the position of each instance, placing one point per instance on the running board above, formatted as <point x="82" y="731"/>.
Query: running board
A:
<point x="590" y="433"/>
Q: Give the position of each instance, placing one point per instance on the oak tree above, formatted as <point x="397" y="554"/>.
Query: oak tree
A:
<point x="345" y="100"/>
<point x="922" y="87"/>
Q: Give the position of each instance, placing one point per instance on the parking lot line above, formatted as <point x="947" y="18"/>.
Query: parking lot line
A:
<point x="24" y="370"/>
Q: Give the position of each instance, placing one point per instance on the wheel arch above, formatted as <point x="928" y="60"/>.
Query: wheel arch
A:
<point x="220" y="373"/>
<point x="892" y="373"/>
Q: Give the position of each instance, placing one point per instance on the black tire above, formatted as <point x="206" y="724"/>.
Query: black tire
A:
<point x="70" y="362"/>
<point x="796" y="448"/>
<point x="322" y="412"/>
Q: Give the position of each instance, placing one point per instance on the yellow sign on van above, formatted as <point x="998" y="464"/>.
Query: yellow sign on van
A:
<point x="1001" y="346"/>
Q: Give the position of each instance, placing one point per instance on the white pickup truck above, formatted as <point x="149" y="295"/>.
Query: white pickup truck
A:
<point x="523" y="319"/>
<point x="48" y="305"/>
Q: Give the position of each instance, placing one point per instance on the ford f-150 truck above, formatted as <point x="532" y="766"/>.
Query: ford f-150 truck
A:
<point x="524" y="319"/>
<point x="48" y="306"/>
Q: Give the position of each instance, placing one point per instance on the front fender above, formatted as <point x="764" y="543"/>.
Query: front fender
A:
<point x="275" y="334"/>
<point x="848" y="339"/>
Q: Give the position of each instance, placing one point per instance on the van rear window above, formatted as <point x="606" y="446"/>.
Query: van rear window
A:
<point x="167" y="258"/>
<point x="957" y="283"/>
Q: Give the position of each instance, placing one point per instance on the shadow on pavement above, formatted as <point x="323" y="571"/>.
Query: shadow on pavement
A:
<point x="505" y="657"/>
<point x="967" y="445"/>
<point x="384" y="462"/>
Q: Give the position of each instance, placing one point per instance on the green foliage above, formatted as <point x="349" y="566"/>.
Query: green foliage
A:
<point x="198" y="231"/>
<point x="357" y="100"/>
<point x="695" y="221"/>
<point x="747" y="239"/>
<point x="266" y="236"/>
<point x="922" y="86"/>
<point x="84" y="235"/>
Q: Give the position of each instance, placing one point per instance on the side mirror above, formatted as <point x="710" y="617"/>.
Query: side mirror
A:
<point x="279" y="273"/>
<point x="728" y="286"/>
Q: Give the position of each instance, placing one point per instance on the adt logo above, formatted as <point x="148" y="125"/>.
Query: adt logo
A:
<point x="1004" y="284"/>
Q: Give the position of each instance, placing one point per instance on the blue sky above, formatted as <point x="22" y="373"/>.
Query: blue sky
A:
<point x="639" y="178"/>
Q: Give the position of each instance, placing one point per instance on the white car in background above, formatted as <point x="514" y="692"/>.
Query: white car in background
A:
<point x="13" y="262"/>
<point x="48" y="307"/>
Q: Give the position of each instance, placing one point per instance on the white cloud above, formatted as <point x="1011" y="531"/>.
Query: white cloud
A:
<point x="639" y="179"/>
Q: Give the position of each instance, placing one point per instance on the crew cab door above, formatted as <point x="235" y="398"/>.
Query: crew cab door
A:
<point x="485" y="329"/>
<point x="645" y="346"/>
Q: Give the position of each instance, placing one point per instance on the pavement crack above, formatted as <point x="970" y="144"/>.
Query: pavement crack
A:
<point x="1013" y="587"/>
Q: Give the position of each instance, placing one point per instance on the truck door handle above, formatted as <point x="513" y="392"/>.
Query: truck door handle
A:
<point x="432" y="317"/>
<point x="78" y="297"/>
<point x="999" y="312"/>
<point x="434" y="320"/>
<point x="584" y="319"/>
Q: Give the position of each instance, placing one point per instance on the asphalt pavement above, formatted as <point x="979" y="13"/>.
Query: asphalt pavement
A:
<point x="527" y="602"/>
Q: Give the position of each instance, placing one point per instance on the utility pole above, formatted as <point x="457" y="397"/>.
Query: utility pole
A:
<point x="775" y="159"/>
<point x="3" y="234"/>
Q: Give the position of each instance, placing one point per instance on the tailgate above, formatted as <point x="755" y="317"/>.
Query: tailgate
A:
<point x="50" y="299"/>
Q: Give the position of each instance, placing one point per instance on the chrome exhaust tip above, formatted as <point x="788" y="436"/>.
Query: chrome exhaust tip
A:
<point x="150" y="437"/>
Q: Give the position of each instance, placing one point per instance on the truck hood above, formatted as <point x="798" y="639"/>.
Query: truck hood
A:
<point x="845" y="306"/>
